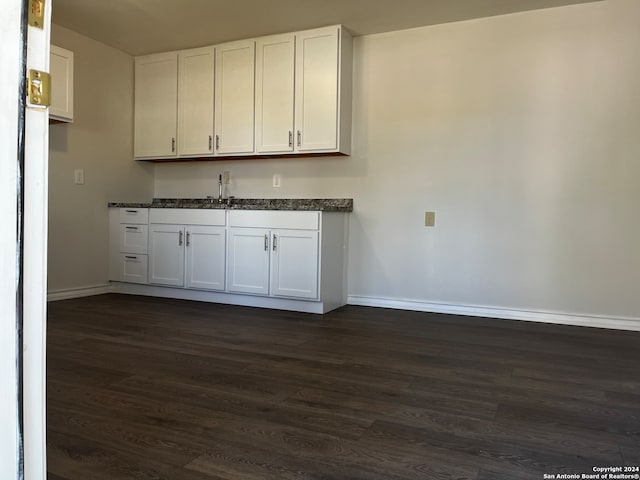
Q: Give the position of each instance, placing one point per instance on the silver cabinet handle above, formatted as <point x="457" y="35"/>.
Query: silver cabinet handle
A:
<point x="128" y="257"/>
<point x="131" y="211"/>
<point x="217" y="142"/>
<point x="132" y="228"/>
<point x="210" y="142"/>
<point x="299" y="138"/>
<point x="180" y="238"/>
<point x="275" y="241"/>
<point x="290" y="139"/>
<point x="188" y="239"/>
<point x="173" y="144"/>
<point x="266" y="243"/>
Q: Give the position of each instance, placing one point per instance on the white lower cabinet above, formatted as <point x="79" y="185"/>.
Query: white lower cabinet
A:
<point x="128" y="244"/>
<point x="280" y="263"/>
<point x="206" y="248"/>
<point x="279" y="259"/>
<point x="248" y="260"/>
<point x="274" y="261"/>
<point x="294" y="263"/>
<point x="166" y="249"/>
<point x="192" y="255"/>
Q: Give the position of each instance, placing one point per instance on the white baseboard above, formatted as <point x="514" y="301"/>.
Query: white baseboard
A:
<point x="66" y="294"/>
<point x="617" y="323"/>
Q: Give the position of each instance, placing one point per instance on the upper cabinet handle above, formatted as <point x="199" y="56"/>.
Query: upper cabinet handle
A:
<point x="173" y="144"/>
<point x="299" y="138"/>
<point x="290" y="139"/>
<point x="210" y="142"/>
<point x="217" y="142"/>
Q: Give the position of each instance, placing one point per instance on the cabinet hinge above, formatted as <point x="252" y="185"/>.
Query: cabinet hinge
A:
<point x="39" y="88"/>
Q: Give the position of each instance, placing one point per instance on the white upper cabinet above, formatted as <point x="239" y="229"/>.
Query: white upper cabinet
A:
<point x="61" y="68"/>
<point x="195" y="102"/>
<point x="275" y="73"/>
<point x="277" y="95"/>
<point x="156" y="100"/>
<point x="234" y="98"/>
<point x="323" y="91"/>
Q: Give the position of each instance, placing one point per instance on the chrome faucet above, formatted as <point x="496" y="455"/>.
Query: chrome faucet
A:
<point x="220" y="189"/>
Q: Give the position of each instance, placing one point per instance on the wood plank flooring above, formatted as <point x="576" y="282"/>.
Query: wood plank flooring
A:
<point x="147" y="388"/>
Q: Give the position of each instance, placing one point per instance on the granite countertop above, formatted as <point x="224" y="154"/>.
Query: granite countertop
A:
<point x="316" y="204"/>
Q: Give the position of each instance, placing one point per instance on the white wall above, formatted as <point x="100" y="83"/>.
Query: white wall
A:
<point x="520" y="131"/>
<point x="100" y="142"/>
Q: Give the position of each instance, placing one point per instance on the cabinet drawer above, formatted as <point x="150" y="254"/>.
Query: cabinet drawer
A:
<point x="274" y="219"/>
<point x="133" y="268"/>
<point x="134" y="238"/>
<point x="134" y="215"/>
<point x="186" y="216"/>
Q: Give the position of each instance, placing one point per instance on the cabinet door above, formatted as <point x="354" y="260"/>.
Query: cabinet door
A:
<point x="195" y="101"/>
<point x="317" y="90"/>
<point x="61" y="68"/>
<point x="132" y="268"/>
<point x="234" y="102"/>
<point x="275" y="59"/>
<point x="205" y="257"/>
<point x="294" y="269"/>
<point x="156" y="104"/>
<point x="134" y="238"/>
<point x="248" y="261"/>
<point x="166" y="255"/>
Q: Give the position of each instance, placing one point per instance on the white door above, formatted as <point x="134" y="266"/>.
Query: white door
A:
<point x="23" y="261"/>
<point x="248" y="260"/>
<point x="205" y="257"/>
<point x="294" y="264"/>
<point x="317" y="90"/>
<point x="234" y="102"/>
<point x="275" y="59"/>
<point x="156" y="105"/>
<point x="195" y="101"/>
<point x="166" y="255"/>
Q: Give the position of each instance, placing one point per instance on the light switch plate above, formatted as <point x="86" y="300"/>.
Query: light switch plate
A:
<point x="277" y="180"/>
<point x="78" y="176"/>
<point x="429" y="219"/>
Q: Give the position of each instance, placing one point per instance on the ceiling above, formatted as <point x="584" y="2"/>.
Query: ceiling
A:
<point x="147" y="26"/>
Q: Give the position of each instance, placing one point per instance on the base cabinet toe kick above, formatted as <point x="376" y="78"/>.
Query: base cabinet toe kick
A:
<point x="282" y="259"/>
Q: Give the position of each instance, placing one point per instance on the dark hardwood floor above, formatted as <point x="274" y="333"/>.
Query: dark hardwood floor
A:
<point x="147" y="388"/>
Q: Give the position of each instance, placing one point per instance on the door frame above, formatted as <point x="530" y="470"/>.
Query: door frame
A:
<point x="23" y="246"/>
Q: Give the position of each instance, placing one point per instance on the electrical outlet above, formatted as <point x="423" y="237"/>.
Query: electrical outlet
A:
<point x="277" y="180"/>
<point x="429" y="219"/>
<point x="226" y="177"/>
<point x="78" y="176"/>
